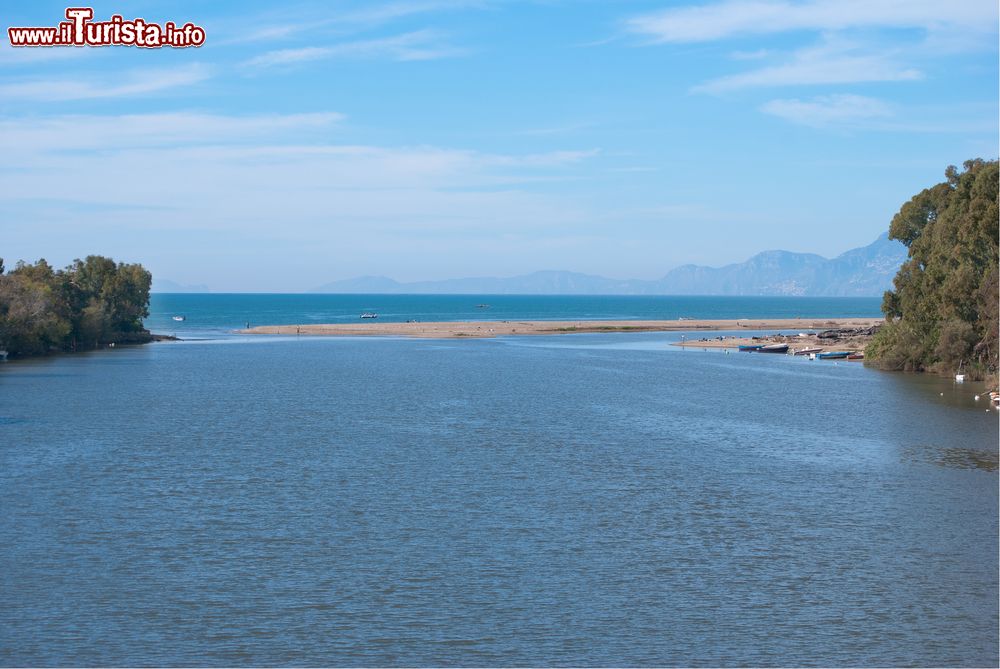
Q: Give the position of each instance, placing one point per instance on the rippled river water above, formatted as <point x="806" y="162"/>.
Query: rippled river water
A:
<point x="568" y="500"/>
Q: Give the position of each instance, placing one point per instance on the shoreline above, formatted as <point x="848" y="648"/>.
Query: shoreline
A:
<point x="488" y="329"/>
<point x="852" y="343"/>
<point x="130" y="340"/>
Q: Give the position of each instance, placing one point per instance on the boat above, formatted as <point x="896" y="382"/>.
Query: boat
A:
<point x="833" y="355"/>
<point x="180" y="318"/>
<point x="482" y="306"/>
<point x="807" y="351"/>
<point x="750" y="347"/>
<point x="774" y="348"/>
<point x="856" y="356"/>
<point x="369" y="315"/>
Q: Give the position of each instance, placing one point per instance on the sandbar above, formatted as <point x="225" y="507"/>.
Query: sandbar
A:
<point x="484" y="329"/>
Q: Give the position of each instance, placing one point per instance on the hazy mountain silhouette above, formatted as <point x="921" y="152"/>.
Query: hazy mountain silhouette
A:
<point x="865" y="271"/>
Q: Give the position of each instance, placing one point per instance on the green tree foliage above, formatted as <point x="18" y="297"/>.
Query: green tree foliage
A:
<point x="943" y="312"/>
<point x="91" y="303"/>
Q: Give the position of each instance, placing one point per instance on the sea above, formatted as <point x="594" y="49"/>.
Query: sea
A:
<point x="222" y="314"/>
<point x="572" y="500"/>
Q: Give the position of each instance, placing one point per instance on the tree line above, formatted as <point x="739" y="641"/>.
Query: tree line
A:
<point x="89" y="304"/>
<point x="942" y="314"/>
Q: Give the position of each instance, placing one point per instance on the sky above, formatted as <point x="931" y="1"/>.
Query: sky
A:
<point x="307" y="142"/>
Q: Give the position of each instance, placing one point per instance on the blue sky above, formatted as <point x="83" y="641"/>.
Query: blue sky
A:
<point x="422" y="139"/>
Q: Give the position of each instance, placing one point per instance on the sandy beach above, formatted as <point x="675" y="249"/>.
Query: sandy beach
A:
<point x="455" y="329"/>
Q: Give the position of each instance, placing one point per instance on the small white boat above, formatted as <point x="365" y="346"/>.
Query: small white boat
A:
<point x="180" y="318"/>
<point x="369" y="315"/>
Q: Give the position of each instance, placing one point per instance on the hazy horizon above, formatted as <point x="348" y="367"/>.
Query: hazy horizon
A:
<point x="430" y="140"/>
<point x="310" y="289"/>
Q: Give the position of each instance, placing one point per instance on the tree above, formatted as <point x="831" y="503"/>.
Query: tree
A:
<point x="29" y="321"/>
<point x="943" y="311"/>
<point x="90" y="303"/>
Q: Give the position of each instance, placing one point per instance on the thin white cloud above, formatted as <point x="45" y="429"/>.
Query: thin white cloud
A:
<point x="273" y="26"/>
<point x="829" y="110"/>
<point x="550" y="159"/>
<point x="281" y="57"/>
<point x="229" y="171"/>
<point x="830" y="63"/>
<point x="865" y="113"/>
<point x="170" y="129"/>
<point x="417" y="45"/>
<point x="136" y="82"/>
<point x="723" y="20"/>
<point x="877" y="55"/>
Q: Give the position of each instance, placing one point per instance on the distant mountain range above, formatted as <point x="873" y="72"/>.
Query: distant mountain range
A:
<point x="865" y="271"/>
<point x="168" y="286"/>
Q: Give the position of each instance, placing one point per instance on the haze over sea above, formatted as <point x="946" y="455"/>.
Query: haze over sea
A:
<point x="580" y="499"/>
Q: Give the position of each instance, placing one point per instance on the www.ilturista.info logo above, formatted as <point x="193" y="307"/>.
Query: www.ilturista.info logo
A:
<point x="80" y="30"/>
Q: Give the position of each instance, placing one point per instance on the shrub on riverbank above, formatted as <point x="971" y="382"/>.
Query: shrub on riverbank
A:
<point x="943" y="312"/>
<point x="91" y="303"/>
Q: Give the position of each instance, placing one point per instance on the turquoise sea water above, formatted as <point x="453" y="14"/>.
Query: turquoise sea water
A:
<point x="585" y="499"/>
<point x="220" y="313"/>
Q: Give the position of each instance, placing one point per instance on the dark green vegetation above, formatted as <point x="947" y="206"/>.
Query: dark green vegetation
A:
<point x="91" y="303"/>
<point x="943" y="314"/>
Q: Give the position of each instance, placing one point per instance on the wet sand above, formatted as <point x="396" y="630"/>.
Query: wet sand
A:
<point x="455" y="329"/>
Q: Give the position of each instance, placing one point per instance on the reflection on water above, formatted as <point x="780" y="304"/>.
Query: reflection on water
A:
<point x="955" y="457"/>
<point x="968" y="459"/>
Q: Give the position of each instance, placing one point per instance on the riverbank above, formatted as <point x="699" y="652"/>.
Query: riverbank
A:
<point x="854" y="340"/>
<point x="483" y="329"/>
<point x="126" y="339"/>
